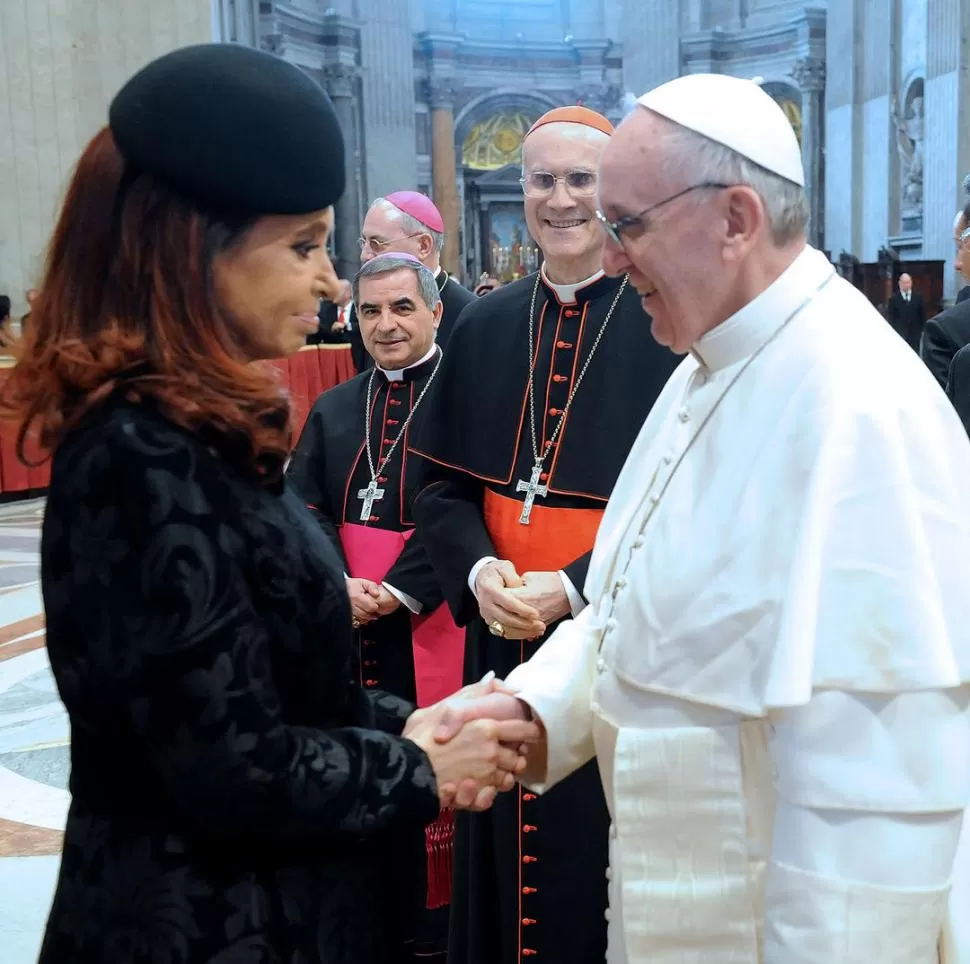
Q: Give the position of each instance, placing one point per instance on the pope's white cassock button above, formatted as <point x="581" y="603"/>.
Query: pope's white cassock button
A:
<point x="654" y="498"/>
<point x="610" y="625"/>
<point x="683" y="415"/>
<point x="668" y="459"/>
<point x="601" y="665"/>
<point x="638" y="542"/>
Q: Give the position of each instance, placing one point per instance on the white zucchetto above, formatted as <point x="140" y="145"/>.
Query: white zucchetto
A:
<point x="734" y="112"/>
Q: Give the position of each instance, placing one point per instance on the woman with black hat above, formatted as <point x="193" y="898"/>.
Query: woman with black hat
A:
<point x="235" y="798"/>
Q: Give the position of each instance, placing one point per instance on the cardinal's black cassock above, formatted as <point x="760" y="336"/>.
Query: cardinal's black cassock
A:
<point x="530" y="874"/>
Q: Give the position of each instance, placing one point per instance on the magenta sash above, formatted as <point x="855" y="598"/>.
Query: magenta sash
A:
<point x="438" y="644"/>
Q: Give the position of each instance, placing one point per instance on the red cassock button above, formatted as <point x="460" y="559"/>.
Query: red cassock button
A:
<point x="530" y="860"/>
<point x="528" y="797"/>
<point x="370" y="682"/>
<point x="570" y="313"/>
<point x="544" y="477"/>
<point x="388" y="441"/>
<point x="392" y="421"/>
<point x="559" y="378"/>
<point x="528" y="921"/>
<point x="395" y="401"/>
<point x="554" y="411"/>
<point x="529" y="890"/>
<point x="382" y="479"/>
<point x="528" y="828"/>
<point x="528" y="952"/>
<point x="564" y="344"/>
<point x="374" y="518"/>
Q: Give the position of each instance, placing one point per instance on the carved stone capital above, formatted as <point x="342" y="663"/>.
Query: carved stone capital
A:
<point x="441" y="92"/>
<point x="809" y="74"/>
<point x="339" y="79"/>
<point x="599" y="97"/>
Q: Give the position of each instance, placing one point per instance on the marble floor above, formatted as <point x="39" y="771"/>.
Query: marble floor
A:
<point x="33" y="742"/>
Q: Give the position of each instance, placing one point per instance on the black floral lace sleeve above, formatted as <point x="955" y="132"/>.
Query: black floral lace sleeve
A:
<point x="192" y="602"/>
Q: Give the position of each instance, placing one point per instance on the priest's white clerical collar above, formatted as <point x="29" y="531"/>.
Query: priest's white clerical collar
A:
<point x="437" y="271"/>
<point x="398" y="376"/>
<point x="567" y="293"/>
<point x="748" y="329"/>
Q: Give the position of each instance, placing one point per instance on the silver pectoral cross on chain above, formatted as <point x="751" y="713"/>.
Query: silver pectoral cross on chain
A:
<point x="370" y="495"/>
<point x="532" y="488"/>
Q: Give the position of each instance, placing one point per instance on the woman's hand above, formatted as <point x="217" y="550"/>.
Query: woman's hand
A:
<point x="481" y="759"/>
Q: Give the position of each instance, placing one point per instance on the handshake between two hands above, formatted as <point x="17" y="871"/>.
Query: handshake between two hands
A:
<point x="478" y="742"/>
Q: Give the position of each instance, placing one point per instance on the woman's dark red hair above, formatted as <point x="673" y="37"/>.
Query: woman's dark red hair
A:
<point x="128" y="304"/>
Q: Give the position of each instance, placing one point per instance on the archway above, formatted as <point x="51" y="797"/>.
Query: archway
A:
<point x="789" y="99"/>
<point x="488" y="144"/>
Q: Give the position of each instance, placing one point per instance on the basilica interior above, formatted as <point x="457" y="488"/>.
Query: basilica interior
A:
<point x="435" y="96"/>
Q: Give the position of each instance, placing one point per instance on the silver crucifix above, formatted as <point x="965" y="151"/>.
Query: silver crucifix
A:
<point x="370" y="495"/>
<point x="531" y="490"/>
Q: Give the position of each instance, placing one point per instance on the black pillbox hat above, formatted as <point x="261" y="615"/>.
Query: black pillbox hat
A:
<point x="233" y="129"/>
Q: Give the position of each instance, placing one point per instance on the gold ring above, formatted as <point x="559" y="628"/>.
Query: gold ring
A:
<point x="496" y="629"/>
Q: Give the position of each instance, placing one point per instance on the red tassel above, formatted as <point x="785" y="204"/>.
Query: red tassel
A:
<point x="439" y="838"/>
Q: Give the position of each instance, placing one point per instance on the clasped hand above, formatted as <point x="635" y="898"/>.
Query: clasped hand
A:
<point x="370" y="601"/>
<point x="523" y="605"/>
<point x="477" y="742"/>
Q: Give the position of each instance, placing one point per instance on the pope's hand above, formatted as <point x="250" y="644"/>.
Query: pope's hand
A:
<point x="546" y="594"/>
<point x="447" y="717"/>
<point x="499" y="703"/>
<point x="481" y="759"/>
<point x="364" y="596"/>
<point x="498" y="603"/>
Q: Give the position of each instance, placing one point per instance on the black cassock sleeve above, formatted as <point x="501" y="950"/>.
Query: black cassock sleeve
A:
<point x="958" y="385"/>
<point x="937" y="349"/>
<point x="576" y="571"/>
<point x="414" y="574"/>
<point x="448" y="514"/>
<point x="153" y="580"/>
<point x="307" y="474"/>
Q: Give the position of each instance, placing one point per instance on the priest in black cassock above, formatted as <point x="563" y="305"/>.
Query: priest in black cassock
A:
<point x="538" y="400"/>
<point x="409" y="222"/>
<point x="352" y="468"/>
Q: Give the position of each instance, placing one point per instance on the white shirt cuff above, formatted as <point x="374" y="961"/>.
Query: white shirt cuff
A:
<point x="476" y="569"/>
<point x="576" y="602"/>
<point x="404" y="599"/>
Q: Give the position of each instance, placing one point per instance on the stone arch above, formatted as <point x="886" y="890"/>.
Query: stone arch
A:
<point x="502" y="100"/>
<point x="789" y="98"/>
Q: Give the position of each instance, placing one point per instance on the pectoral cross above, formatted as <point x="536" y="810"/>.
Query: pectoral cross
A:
<point x="370" y="495"/>
<point x="531" y="490"/>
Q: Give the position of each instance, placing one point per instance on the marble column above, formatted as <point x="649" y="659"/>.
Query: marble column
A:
<point x="340" y="81"/>
<point x="809" y="75"/>
<point x="441" y="99"/>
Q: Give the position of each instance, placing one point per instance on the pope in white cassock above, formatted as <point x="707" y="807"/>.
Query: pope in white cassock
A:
<point x="772" y="672"/>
